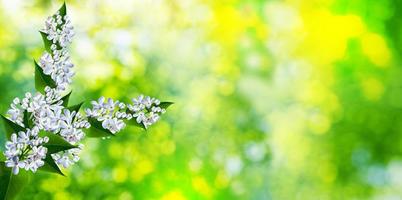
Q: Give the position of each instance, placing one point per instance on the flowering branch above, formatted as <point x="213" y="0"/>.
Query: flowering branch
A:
<point x="44" y="132"/>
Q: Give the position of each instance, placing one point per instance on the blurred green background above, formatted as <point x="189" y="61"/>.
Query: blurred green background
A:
<point x="274" y="99"/>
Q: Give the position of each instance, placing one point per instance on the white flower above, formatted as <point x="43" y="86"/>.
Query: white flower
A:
<point x="47" y="64"/>
<point x="140" y="117"/>
<point x="25" y="150"/>
<point x="69" y="157"/>
<point x="35" y="158"/>
<point x="145" y="110"/>
<point x="15" y="164"/>
<point x="114" y="125"/>
<point x="16" y="114"/>
<point x="91" y="113"/>
<point x="98" y="104"/>
<point x="70" y="126"/>
<point x="110" y="104"/>
<point x="52" y="95"/>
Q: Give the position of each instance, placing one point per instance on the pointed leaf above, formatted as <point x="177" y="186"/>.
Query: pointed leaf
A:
<point x="27" y="121"/>
<point x="10" y="184"/>
<point x="56" y="143"/>
<point x="75" y="108"/>
<point x="97" y="130"/>
<point x="50" y="166"/>
<point x="65" y="99"/>
<point x="63" y="10"/>
<point x="46" y="42"/>
<point x="42" y="80"/>
<point x="165" y="104"/>
<point x="135" y="123"/>
<point x="11" y="127"/>
<point x="5" y="177"/>
<point x="96" y="133"/>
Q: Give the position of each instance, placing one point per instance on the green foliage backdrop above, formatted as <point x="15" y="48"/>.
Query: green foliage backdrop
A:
<point x="273" y="99"/>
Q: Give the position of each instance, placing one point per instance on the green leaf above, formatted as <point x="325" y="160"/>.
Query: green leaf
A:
<point x="75" y="108"/>
<point x="97" y="130"/>
<point x="27" y="121"/>
<point x="46" y="42"/>
<point x="63" y="10"/>
<point x="65" y="99"/>
<point x="51" y="166"/>
<point x="10" y="184"/>
<point x="11" y="127"/>
<point x="96" y="133"/>
<point x="165" y="104"/>
<point x="135" y="123"/>
<point x="5" y="178"/>
<point x="56" y="143"/>
<point x="42" y="80"/>
<point x="2" y="157"/>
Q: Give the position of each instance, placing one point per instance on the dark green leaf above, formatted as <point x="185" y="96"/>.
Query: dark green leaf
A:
<point x="48" y="43"/>
<point x="65" y="99"/>
<point x="27" y="121"/>
<point x="135" y="123"/>
<point x="75" y="108"/>
<point x="11" y="127"/>
<point x="42" y="80"/>
<point x="2" y="157"/>
<point x="50" y="166"/>
<point x="5" y="177"/>
<point x="63" y="10"/>
<point x="96" y="133"/>
<point x="165" y="104"/>
<point x="56" y="143"/>
<point x="10" y="184"/>
<point x="97" y="130"/>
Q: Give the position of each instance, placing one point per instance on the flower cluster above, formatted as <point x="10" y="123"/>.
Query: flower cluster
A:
<point x="111" y="113"/>
<point x="71" y="125"/>
<point x="43" y="109"/>
<point x="146" y="110"/>
<point x="69" y="157"/>
<point x="57" y="63"/>
<point x="59" y="29"/>
<point x="25" y="150"/>
<point x="48" y="112"/>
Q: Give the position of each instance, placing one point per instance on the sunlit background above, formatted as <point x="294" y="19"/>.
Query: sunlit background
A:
<point x="274" y="99"/>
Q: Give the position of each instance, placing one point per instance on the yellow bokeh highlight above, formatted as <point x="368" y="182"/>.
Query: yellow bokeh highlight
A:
<point x="373" y="89"/>
<point x="141" y="169"/>
<point x="328" y="34"/>
<point x="229" y="24"/>
<point x="120" y="174"/>
<point x="62" y="195"/>
<point x="174" y="195"/>
<point x="168" y="147"/>
<point x="376" y="49"/>
<point x="201" y="185"/>
<point x="327" y="171"/>
<point x="221" y="180"/>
